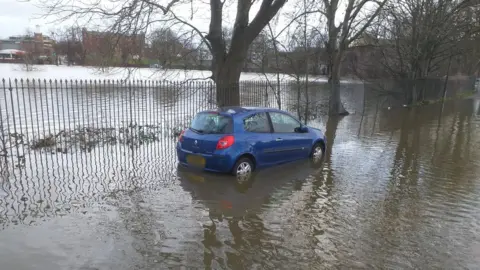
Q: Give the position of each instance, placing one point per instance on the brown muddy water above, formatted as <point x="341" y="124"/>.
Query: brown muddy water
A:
<point x="400" y="190"/>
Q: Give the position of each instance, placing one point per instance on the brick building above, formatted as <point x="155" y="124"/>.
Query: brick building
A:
<point x="38" y="44"/>
<point x="103" y="47"/>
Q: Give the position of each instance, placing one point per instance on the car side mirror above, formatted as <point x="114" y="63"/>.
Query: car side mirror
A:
<point x="301" y="129"/>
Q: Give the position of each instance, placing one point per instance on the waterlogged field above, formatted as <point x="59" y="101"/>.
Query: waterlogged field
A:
<point x="399" y="190"/>
<point x="91" y="182"/>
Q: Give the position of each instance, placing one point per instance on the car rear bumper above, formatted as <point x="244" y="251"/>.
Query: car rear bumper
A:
<point x="222" y="163"/>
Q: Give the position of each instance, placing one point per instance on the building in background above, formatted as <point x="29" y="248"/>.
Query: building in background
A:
<point x="106" y="48"/>
<point x="11" y="56"/>
<point x="37" y="46"/>
<point x="10" y="44"/>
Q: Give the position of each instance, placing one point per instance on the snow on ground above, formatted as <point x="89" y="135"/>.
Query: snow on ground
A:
<point x="17" y="71"/>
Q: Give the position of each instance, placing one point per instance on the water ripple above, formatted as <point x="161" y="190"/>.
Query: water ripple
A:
<point x="404" y="196"/>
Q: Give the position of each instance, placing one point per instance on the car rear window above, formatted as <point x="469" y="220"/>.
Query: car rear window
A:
<point x="212" y="123"/>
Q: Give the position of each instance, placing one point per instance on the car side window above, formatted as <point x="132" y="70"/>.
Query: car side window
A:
<point x="257" y="123"/>
<point x="283" y="123"/>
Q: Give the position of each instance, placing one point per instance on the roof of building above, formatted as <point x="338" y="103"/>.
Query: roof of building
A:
<point x="11" y="51"/>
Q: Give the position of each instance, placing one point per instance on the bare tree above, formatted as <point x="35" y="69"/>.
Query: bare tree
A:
<point x="259" y="52"/>
<point x="416" y="40"/>
<point x="293" y="58"/>
<point x="469" y="61"/>
<point x="275" y="50"/>
<point x="277" y="89"/>
<point x="28" y="47"/>
<point x="133" y="16"/>
<point x="165" y="46"/>
<point x="172" y="50"/>
<point x="340" y="37"/>
<point x="68" y="44"/>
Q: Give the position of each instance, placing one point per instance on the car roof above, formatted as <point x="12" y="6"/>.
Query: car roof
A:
<point x="237" y="110"/>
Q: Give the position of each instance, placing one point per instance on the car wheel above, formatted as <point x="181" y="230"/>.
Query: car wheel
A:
<point x="243" y="167"/>
<point x="317" y="152"/>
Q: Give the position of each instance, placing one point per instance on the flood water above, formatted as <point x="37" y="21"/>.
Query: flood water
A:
<point x="398" y="190"/>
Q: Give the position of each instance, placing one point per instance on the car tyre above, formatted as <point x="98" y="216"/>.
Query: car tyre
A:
<point x="243" y="167"/>
<point x="318" y="152"/>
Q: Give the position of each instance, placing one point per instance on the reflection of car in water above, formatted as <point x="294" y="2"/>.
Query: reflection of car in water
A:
<point x="238" y="140"/>
<point x="233" y="197"/>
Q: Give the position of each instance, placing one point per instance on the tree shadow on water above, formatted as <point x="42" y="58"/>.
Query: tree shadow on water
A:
<point x="331" y="133"/>
<point x="429" y="170"/>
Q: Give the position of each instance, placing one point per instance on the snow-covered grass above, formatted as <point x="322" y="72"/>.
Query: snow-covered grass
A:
<point x="16" y="71"/>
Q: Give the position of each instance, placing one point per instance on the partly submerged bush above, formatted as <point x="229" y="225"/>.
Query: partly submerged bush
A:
<point x="85" y="138"/>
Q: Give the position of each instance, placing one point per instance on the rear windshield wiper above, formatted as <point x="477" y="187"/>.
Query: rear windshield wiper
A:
<point x="197" y="130"/>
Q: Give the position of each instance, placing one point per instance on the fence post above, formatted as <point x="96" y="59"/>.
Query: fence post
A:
<point x="3" y="137"/>
<point x="130" y="115"/>
<point x="13" y="112"/>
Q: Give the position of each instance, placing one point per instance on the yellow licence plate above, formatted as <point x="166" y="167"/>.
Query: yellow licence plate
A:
<point x="197" y="161"/>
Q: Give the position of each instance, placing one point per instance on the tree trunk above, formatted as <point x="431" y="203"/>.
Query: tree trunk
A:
<point x="69" y="53"/>
<point x="299" y="88"/>
<point x="336" y="106"/>
<point x="414" y="94"/>
<point x="334" y="59"/>
<point x="228" y="93"/>
<point x="277" y="65"/>
<point x="277" y="62"/>
<point x="228" y="61"/>
<point x="227" y="80"/>
<point x="445" y="84"/>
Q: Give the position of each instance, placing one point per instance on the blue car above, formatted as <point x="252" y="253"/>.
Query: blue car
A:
<point x="239" y="140"/>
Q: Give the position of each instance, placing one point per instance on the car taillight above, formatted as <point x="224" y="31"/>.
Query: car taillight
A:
<point x="180" y="137"/>
<point x="225" y="142"/>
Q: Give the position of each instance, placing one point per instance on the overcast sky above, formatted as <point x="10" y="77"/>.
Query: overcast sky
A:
<point x="18" y="16"/>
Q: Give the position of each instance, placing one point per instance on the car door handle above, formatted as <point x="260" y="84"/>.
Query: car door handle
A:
<point x="278" y="139"/>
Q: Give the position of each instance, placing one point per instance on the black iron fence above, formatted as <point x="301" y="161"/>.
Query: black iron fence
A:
<point x="61" y="115"/>
<point x="37" y="108"/>
<point x="72" y="140"/>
